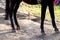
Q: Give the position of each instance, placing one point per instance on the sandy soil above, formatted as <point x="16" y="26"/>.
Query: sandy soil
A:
<point x="30" y="30"/>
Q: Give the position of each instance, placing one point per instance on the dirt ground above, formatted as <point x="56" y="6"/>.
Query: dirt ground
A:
<point x="30" y="30"/>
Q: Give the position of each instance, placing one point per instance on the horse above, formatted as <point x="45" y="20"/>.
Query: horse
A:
<point x="11" y="10"/>
<point x="50" y="4"/>
<point x="14" y="5"/>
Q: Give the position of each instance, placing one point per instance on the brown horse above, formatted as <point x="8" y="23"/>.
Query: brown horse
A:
<point x="11" y="10"/>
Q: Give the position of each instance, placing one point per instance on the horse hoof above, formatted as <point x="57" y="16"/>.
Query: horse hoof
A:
<point x="43" y="33"/>
<point x="13" y="30"/>
<point x="56" y="31"/>
<point x="18" y="28"/>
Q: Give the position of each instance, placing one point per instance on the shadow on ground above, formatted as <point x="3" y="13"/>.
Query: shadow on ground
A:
<point x="30" y="30"/>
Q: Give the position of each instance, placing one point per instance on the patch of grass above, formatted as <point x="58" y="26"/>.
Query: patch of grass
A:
<point x="57" y="12"/>
<point x="36" y="10"/>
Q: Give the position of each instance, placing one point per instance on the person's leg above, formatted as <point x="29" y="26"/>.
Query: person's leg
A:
<point x="51" y="9"/>
<point x="43" y="12"/>
<point x="7" y="9"/>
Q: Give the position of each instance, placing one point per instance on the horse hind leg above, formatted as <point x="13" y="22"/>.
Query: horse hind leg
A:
<point x="15" y="11"/>
<point x="7" y="9"/>
<point x="11" y="17"/>
<point x="12" y="24"/>
<point x="16" y="22"/>
<point x="15" y="19"/>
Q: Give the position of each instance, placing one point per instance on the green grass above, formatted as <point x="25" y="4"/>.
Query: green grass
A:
<point x="57" y="12"/>
<point x="36" y="10"/>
